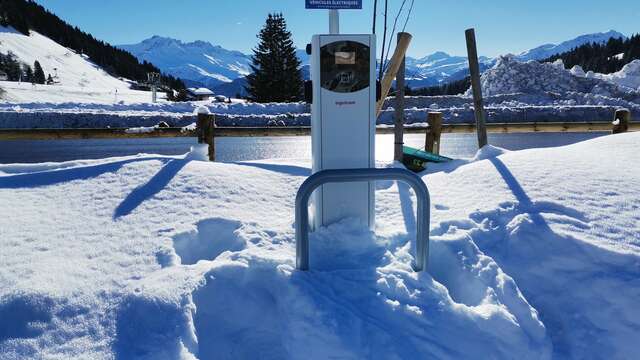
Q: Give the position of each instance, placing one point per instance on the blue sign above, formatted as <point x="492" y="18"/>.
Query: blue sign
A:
<point x="334" y="4"/>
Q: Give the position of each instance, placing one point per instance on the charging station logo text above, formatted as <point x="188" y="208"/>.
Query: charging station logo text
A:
<point x="343" y="103"/>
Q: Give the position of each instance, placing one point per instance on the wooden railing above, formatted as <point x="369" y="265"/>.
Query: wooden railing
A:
<point x="111" y="133"/>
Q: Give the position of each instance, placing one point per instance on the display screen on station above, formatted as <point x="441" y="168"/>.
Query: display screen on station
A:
<point x="345" y="66"/>
<point x="345" y="58"/>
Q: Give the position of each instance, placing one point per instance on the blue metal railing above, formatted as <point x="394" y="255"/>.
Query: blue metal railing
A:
<point x="362" y="175"/>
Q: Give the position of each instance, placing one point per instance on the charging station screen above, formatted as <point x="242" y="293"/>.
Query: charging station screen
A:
<point x="345" y="58"/>
<point x="345" y="66"/>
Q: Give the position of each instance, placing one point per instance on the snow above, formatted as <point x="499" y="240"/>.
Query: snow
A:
<point x="534" y="254"/>
<point x="73" y="96"/>
<point x="628" y="76"/>
<point x="73" y="69"/>
<point x="197" y="61"/>
<point x="79" y="80"/>
<point x="548" y="50"/>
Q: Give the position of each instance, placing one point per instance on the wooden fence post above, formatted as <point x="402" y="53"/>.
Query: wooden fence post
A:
<point x="432" y="141"/>
<point x="398" y="131"/>
<point x="206" y="134"/>
<point x="478" y="105"/>
<point x="621" y="121"/>
<point x="392" y="69"/>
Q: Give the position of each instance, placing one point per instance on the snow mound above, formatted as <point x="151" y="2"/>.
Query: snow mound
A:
<point x="511" y="76"/>
<point x="628" y="76"/>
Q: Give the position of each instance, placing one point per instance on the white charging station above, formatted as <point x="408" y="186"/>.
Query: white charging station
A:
<point x="343" y="124"/>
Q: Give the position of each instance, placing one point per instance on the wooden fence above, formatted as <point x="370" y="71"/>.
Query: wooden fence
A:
<point x="207" y="131"/>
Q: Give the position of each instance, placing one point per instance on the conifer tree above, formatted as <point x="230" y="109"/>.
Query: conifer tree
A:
<point x="28" y="74"/>
<point x="38" y="73"/>
<point x="276" y="73"/>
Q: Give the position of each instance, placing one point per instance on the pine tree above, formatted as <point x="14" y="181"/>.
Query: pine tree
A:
<point x="49" y="80"/>
<point x="28" y="74"/>
<point x="276" y="73"/>
<point x="38" y="73"/>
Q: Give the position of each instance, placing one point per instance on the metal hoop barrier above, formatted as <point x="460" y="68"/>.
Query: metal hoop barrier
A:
<point x="362" y="175"/>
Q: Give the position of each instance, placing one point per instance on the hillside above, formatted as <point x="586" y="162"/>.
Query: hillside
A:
<point x="77" y="78"/>
<point x="604" y="58"/>
<point x="25" y="15"/>
<point x="548" y="50"/>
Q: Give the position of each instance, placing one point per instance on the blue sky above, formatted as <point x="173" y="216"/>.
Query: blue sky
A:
<point x="502" y="26"/>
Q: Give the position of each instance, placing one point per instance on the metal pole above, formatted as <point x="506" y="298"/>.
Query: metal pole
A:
<point x="362" y="175"/>
<point x="334" y="22"/>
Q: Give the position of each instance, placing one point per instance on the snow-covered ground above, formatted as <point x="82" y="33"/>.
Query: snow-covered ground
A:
<point x="534" y="254"/>
<point x="75" y="97"/>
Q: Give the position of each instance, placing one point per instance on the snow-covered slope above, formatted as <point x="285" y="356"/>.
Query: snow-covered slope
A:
<point x="78" y="79"/>
<point x="533" y="254"/>
<point x="548" y="50"/>
<point x="197" y="61"/>
<point x="439" y="67"/>
<point x="72" y="69"/>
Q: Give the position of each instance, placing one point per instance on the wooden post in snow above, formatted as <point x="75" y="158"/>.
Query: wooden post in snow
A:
<point x="621" y="121"/>
<point x="474" y="69"/>
<point x="432" y="141"/>
<point x="404" y="39"/>
<point x="205" y="130"/>
<point x="398" y="130"/>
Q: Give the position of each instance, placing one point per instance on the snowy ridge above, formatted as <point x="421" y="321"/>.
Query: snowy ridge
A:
<point x="548" y="50"/>
<point x="197" y="61"/>
<point x="532" y="253"/>
<point x="216" y="67"/>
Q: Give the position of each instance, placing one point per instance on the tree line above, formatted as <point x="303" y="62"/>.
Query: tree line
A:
<point x="19" y="71"/>
<point x="603" y="58"/>
<point x="25" y="15"/>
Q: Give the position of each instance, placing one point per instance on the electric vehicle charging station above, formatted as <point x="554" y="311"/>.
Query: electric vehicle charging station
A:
<point x="343" y="117"/>
<point x="343" y="124"/>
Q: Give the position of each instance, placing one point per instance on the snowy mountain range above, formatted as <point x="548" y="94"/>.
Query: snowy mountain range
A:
<point x="197" y="62"/>
<point x="204" y="64"/>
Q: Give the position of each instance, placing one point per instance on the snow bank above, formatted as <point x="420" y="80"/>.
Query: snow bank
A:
<point x="628" y="76"/>
<point x="510" y="76"/>
<point x="533" y="253"/>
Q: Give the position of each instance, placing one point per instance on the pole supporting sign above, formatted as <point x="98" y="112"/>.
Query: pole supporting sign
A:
<point x="334" y="4"/>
